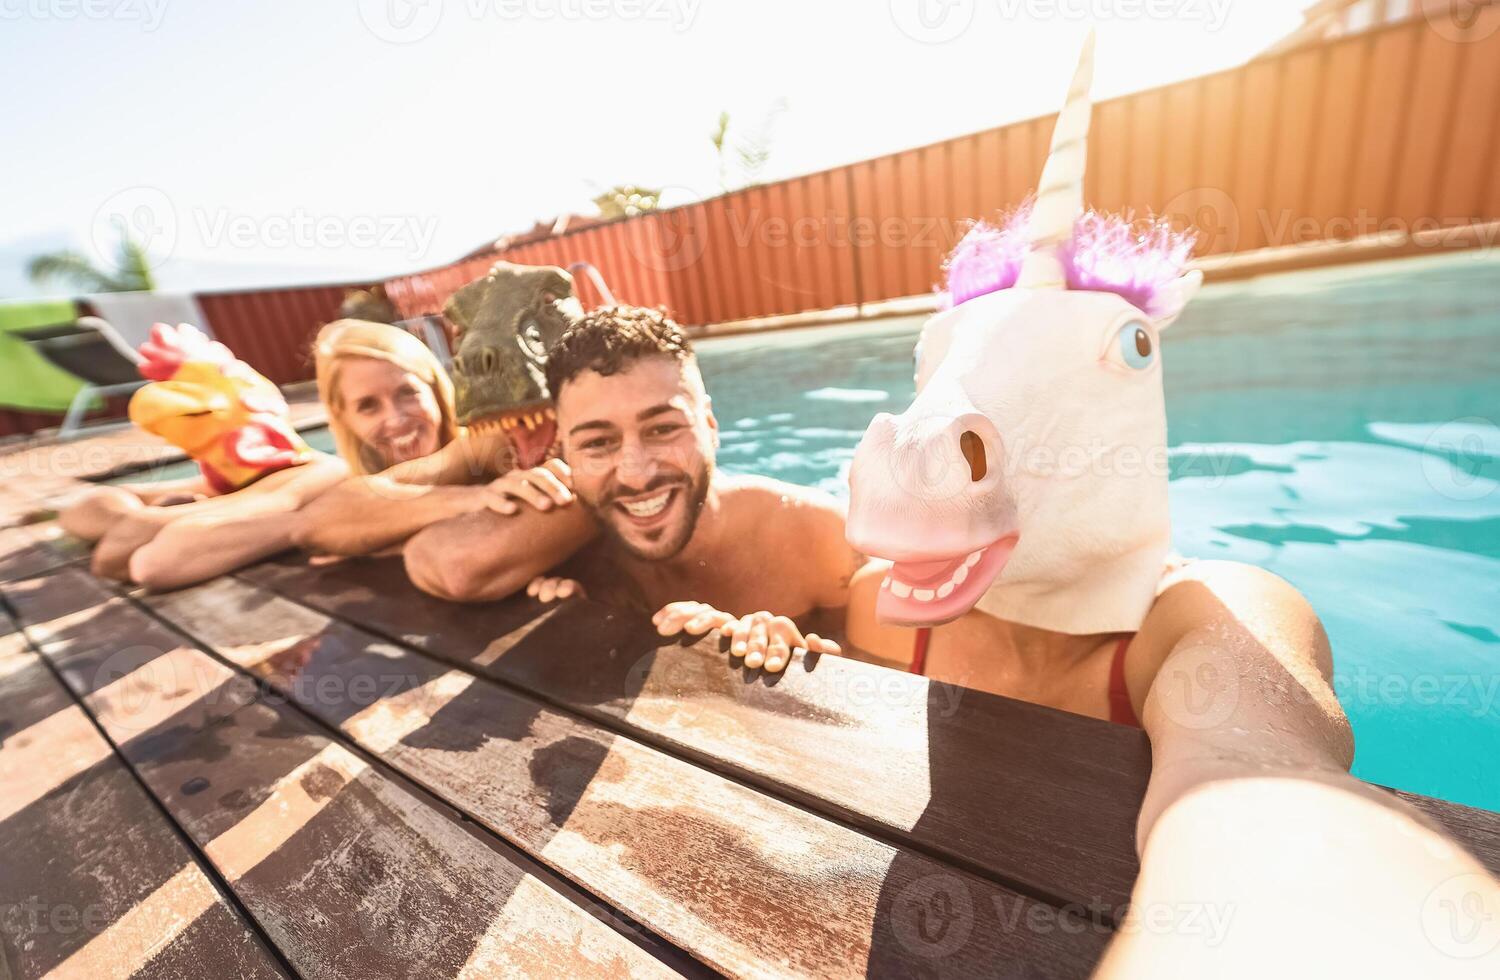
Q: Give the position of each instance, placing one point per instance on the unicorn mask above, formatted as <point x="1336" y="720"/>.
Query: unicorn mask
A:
<point x="1029" y="476"/>
<point x="231" y="420"/>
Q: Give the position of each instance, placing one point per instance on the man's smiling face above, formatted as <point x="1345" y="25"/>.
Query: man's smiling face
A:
<point x="640" y="443"/>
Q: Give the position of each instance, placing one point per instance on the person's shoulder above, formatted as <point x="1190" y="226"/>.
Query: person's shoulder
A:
<point x="768" y="494"/>
<point x="1208" y="585"/>
<point x="1225" y="596"/>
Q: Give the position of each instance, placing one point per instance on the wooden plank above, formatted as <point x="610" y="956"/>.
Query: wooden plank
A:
<point x="344" y="869"/>
<point x="877" y="747"/>
<point x="94" y="881"/>
<point x="749" y="884"/>
<point x="28" y="550"/>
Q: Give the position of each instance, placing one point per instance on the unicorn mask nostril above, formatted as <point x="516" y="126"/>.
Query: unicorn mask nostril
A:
<point x="972" y="447"/>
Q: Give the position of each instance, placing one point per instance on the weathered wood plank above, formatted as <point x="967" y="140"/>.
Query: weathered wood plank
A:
<point x="28" y="550"/>
<point x="94" y="882"/>
<point x="347" y="872"/>
<point x="1018" y="792"/>
<point x="751" y="885"/>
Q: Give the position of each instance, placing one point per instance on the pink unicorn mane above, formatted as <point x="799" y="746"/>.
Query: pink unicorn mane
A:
<point x="1106" y="253"/>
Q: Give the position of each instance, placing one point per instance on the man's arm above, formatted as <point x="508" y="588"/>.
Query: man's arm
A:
<point x="366" y="514"/>
<point x="1251" y="820"/>
<point x="486" y="555"/>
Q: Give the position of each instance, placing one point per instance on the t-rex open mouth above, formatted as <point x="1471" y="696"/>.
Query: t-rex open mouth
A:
<point x="531" y="429"/>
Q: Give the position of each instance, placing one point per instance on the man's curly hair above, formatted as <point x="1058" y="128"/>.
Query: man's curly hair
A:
<point x="612" y="338"/>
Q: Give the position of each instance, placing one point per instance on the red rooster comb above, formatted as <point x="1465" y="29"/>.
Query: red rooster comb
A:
<point x="163" y="355"/>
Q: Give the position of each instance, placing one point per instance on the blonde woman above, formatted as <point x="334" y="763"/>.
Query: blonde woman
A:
<point x="391" y="411"/>
<point x="256" y="470"/>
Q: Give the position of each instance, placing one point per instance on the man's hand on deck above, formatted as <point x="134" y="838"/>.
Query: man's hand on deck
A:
<point x="551" y="588"/>
<point x="543" y="487"/>
<point x="762" y="639"/>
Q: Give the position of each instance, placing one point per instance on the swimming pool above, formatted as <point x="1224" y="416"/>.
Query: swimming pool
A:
<point x="1337" y="427"/>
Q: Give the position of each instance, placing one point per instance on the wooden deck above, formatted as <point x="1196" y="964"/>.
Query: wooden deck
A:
<point x="316" y="770"/>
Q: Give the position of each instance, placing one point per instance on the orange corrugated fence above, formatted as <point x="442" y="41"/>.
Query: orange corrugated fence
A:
<point x="1393" y="129"/>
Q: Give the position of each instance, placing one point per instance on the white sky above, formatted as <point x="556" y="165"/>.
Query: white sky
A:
<point x="250" y="126"/>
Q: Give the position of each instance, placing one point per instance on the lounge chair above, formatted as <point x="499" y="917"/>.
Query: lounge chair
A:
<point x="90" y="349"/>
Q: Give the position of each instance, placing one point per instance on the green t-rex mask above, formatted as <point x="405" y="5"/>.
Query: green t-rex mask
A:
<point x="507" y="322"/>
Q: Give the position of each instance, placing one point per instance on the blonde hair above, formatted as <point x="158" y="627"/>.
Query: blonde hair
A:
<point x="343" y="339"/>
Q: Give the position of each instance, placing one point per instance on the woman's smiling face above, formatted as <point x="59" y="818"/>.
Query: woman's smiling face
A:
<point x="392" y="412"/>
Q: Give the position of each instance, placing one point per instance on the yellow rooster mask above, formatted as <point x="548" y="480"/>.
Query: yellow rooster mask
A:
<point x="233" y="422"/>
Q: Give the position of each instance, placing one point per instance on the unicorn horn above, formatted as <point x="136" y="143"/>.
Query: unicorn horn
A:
<point x="1059" y="196"/>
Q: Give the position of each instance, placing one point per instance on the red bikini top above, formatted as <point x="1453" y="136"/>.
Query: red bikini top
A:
<point x="1121" y="711"/>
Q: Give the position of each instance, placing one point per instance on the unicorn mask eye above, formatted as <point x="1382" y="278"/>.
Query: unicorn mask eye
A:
<point x="1134" y="345"/>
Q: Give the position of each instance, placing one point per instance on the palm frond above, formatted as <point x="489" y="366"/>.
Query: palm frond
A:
<point x="71" y="268"/>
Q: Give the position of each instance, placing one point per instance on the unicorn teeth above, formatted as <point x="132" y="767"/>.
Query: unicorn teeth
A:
<point x="900" y="589"/>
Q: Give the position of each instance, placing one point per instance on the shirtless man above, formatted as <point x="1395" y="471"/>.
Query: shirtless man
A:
<point x="664" y="530"/>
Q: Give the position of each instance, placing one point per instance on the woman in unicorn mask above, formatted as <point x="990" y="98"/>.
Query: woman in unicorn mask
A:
<point x="1018" y="514"/>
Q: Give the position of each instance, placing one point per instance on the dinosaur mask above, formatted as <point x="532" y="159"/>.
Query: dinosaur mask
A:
<point x="232" y="421"/>
<point x="506" y="323"/>
<point x="1029" y="476"/>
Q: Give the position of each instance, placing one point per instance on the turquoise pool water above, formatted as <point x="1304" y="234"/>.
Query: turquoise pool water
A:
<point x="1336" y="427"/>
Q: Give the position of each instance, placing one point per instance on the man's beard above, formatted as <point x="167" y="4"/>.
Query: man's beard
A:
<point x="672" y="539"/>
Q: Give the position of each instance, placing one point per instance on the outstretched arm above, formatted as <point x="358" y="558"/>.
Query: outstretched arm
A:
<point x="488" y="555"/>
<point x="530" y="523"/>
<point x="366" y="514"/>
<point x="202" y="545"/>
<point x="279" y="493"/>
<point x="1259" y="851"/>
